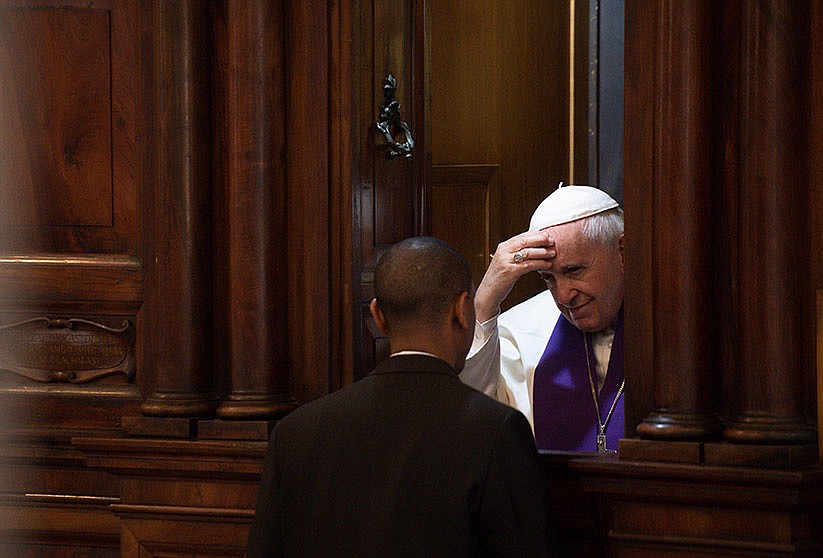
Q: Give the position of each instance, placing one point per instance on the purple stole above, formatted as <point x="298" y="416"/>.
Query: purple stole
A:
<point x="564" y="412"/>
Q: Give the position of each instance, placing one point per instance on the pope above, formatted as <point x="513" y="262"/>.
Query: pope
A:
<point x="558" y="356"/>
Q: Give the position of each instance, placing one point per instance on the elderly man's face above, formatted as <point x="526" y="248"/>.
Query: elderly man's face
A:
<point x="586" y="278"/>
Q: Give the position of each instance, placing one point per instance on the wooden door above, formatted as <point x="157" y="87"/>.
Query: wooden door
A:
<point x="390" y="185"/>
<point x="502" y="102"/>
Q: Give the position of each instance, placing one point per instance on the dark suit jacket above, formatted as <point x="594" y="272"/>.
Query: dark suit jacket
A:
<point x="408" y="461"/>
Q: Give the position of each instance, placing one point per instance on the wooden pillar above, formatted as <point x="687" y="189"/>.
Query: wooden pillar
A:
<point x="772" y="197"/>
<point x="683" y="239"/>
<point x="256" y="196"/>
<point x="178" y="309"/>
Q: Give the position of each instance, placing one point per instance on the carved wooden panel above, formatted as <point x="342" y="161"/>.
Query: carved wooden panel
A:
<point x="71" y="267"/>
<point x="71" y="350"/>
<point x="69" y="225"/>
<point x="654" y="510"/>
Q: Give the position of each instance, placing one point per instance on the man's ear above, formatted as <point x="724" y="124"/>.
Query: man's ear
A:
<point x="378" y="316"/>
<point x="621" y="245"/>
<point x="464" y="310"/>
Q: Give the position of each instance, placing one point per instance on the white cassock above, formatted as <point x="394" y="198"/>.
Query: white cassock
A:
<point x="507" y="349"/>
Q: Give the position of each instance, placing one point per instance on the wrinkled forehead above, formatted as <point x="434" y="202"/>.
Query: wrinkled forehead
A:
<point x="567" y="235"/>
<point x="571" y="244"/>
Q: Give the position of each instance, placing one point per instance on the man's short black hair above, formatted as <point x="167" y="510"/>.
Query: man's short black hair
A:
<point x="417" y="279"/>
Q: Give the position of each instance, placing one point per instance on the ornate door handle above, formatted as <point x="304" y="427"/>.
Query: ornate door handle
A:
<point x="390" y="120"/>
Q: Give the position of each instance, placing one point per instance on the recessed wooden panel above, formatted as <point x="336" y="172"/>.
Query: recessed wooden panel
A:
<point x="178" y="532"/>
<point x="700" y="523"/>
<point x="58" y="525"/>
<point x="69" y="73"/>
<point x="55" y="117"/>
<point x="457" y="191"/>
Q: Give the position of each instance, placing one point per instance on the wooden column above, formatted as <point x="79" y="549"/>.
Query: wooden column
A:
<point x="177" y="310"/>
<point x="256" y="198"/>
<point x="683" y="238"/>
<point x="772" y="196"/>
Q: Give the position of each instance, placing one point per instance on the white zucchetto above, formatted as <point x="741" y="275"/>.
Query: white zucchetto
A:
<point x="570" y="203"/>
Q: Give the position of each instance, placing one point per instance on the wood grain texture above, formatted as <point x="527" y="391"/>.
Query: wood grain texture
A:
<point x="684" y="204"/>
<point x="69" y="122"/>
<point x="639" y="139"/>
<point x="311" y="250"/>
<point x="500" y="96"/>
<point x="658" y="509"/>
<point x="773" y="183"/>
<point x="391" y="197"/>
<point x="256" y="193"/>
<point x="55" y="118"/>
<point x="457" y="191"/>
<point x="178" y="309"/>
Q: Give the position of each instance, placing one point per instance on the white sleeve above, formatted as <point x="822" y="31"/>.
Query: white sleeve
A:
<point x="517" y="375"/>
<point x="482" y="368"/>
<point x="506" y="349"/>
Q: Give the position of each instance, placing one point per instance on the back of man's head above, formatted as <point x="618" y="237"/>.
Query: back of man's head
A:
<point x="417" y="280"/>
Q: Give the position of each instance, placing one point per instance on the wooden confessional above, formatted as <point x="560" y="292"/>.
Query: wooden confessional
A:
<point x="194" y="194"/>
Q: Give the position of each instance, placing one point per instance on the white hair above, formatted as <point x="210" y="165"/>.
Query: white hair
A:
<point x="605" y="227"/>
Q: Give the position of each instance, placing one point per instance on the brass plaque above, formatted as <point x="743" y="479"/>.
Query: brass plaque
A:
<point x="67" y="350"/>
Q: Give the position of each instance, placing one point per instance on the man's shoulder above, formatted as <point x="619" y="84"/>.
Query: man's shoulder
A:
<point x="332" y="403"/>
<point x="486" y="407"/>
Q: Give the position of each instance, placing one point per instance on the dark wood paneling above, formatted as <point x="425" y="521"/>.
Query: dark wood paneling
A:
<point x="723" y="499"/>
<point x="180" y="498"/>
<point x="51" y="504"/>
<point x="69" y="175"/>
<point x="391" y="197"/>
<point x="683" y="207"/>
<point x="638" y="198"/>
<point x="178" y="292"/>
<point x="255" y="193"/>
<point x="344" y="202"/>
<point x="311" y="250"/>
<point x="69" y="230"/>
<point x="772" y="262"/>
<point x="658" y="509"/>
<point x="57" y="169"/>
<point x="69" y="522"/>
<point x="500" y="96"/>
<point x="180" y="532"/>
<point x="819" y="382"/>
<point x="32" y="279"/>
<point x="457" y="191"/>
<point x="70" y="237"/>
<point x="342" y="140"/>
